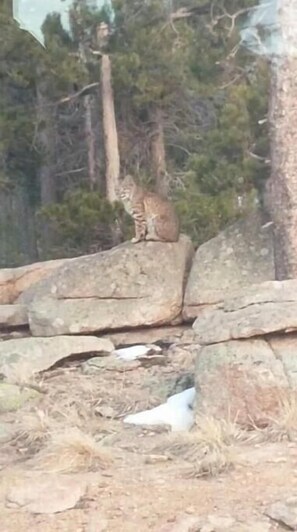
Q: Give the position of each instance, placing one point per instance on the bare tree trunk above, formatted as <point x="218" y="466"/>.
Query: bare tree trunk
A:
<point x="283" y="120"/>
<point x="112" y="158"/>
<point x="158" y="150"/>
<point x="91" y="141"/>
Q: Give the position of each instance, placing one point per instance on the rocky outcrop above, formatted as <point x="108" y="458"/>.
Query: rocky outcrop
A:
<point x="238" y="257"/>
<point x="262" y="309"/>
<point x="126" y="287"/>
<point x="247" y="362"/>
<point x="243" y="380"/>
<point x="244" y="334"/>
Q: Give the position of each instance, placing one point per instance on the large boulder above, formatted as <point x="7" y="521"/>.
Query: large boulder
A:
<point x="247" y="360"/>
<point x="246" y="381"/>
<point x="13" y="281"/>
<point x="261" y="309"/>
<point x="238" y="257"/>
<point x="129" y="286"/>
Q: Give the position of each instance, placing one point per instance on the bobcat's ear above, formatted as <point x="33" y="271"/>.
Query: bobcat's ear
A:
<point x="128" y="179"/>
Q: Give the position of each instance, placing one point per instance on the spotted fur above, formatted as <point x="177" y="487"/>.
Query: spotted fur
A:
<point x="154" y="217"/>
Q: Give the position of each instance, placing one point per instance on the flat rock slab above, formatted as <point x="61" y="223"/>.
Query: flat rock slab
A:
<point x="13" y="316"/>
<point x="26" y="356"/>
<point x="46" y="495"/>
<point x="259" y="310"/>
<point x="215" y="523"/>
<point x="132" y="285"/>
<point x="238" y="257"/>
<point x="180" y="334"/>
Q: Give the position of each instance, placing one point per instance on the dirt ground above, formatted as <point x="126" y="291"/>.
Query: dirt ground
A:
<point x="142" y="486"/>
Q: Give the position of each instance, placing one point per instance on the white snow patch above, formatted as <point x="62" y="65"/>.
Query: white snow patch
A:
<point x="176" y="412"/>
<point x="136" y="351"/>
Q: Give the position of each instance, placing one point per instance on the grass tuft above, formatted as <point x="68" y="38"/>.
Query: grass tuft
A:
<point x="72" y="451"/>
<point x="209" y="447"/>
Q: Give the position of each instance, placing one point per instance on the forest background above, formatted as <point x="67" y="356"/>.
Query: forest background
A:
<point x="190" y="106"/>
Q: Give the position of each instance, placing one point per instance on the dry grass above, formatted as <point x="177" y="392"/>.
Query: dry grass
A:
<point x="214" y="462"/>
<point x="72" y="451"/>
<point x="284" y="425"/>
<point x="59" y="433"/>
<point x="34" y="428"/>
<point x="209" y="448"/>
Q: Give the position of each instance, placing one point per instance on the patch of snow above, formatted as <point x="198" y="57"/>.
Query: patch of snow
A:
<point x="177" y="412"/>
<point x="135" y="351"/>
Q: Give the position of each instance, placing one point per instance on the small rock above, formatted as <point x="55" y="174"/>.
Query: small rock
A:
<point x="213" y="523"/>
<point x="284" y="513"/>
<point x="220" y="523"/>
<point x="153" y="360"/>
<point x="252" y="526"/>
<point x="105" y="411"/>
<point x="183" y="524"/>
<point x="46" y="495"/>
<point x="12" y="397"/>
<point x="110" y="363"/>
<point x="96" y="523"/>
<point x="156" y="458"/>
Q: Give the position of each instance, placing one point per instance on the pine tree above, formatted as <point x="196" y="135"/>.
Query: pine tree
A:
<point x="188" y="102"/>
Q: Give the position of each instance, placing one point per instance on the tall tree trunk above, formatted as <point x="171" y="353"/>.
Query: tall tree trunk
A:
<point x="283" y="120"/>
<point x="112" y="158"/>
<point x="158" y="150"/>
<point x="91" y="141"/>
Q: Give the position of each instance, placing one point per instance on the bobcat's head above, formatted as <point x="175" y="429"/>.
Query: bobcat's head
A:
<point x="126" y="188"/>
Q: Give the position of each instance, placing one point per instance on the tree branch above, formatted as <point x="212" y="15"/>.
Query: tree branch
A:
<point x="88" y="89"/>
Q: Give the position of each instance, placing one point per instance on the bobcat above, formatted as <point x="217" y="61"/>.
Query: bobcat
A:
<point x="154" y="217"/>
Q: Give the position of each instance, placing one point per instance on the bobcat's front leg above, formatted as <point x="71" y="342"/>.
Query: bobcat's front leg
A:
<point x="140" y="229"/>
<point x="152" y="233"/>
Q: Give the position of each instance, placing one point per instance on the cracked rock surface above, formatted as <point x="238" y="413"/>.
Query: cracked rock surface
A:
<point x="247" y="363"/>
<point x="131" y="285"/>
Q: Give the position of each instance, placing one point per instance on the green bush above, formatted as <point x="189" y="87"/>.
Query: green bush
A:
<point x="84" y="222"/>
